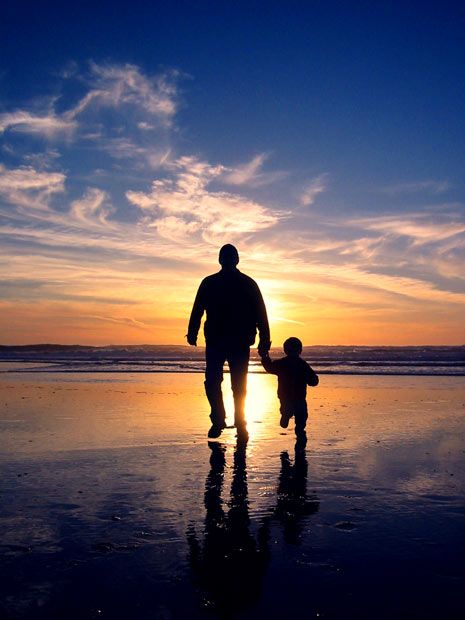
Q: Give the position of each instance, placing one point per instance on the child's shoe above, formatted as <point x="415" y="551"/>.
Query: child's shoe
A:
<point x="284" y="422"/>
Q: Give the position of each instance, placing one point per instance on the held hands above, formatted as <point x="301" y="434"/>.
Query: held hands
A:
<point x="263" y="348"/>
<point x="192" y="339"/>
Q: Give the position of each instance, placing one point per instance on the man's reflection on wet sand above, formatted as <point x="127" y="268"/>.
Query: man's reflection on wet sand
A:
<point x="230" y="566"/>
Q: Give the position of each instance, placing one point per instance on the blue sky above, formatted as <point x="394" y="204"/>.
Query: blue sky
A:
<point x="325" y="139"/>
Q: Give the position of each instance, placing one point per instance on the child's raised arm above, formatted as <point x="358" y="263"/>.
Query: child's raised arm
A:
<point x="268" y="364"/>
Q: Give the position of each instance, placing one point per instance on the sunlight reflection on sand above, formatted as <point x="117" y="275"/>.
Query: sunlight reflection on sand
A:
<point x="107" y="476"/>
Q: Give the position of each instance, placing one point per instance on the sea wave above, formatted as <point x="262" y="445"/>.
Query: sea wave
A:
<point x="340" y="360"/>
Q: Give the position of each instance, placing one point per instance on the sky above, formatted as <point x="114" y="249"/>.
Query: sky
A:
<point x="324" y="139"/>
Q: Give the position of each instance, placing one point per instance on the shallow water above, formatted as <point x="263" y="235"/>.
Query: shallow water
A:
<point x="114" y="505"/>
<point x="352" y="360"/>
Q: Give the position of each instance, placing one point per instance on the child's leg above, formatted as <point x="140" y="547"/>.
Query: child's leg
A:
<point x="301" y="416"/>
<point x="286" y="414"/>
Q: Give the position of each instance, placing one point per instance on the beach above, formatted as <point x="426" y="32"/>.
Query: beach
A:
<point x="115" y="505"/>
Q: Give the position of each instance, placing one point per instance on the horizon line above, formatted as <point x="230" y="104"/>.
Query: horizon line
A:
<point x="100" y="346"/>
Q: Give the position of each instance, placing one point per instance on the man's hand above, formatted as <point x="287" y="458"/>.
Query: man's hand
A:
<point x="191" y="339"/>
<point x="263" y="348"/>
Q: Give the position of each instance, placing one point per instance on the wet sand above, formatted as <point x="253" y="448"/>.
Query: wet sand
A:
<point x="115" y="505"/>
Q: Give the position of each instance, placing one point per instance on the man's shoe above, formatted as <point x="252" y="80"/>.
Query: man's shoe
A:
<point x="284" y="422"/>
<point x="215" y="431"/>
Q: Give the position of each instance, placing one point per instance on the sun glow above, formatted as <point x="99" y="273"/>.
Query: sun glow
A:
<point x="261" y="399"/>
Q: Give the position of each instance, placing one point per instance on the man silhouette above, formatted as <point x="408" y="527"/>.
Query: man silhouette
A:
<point x="229" y="560"/>
<point x="235" y="309"/>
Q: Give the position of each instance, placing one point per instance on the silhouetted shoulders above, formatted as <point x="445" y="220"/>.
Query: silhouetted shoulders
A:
<point x="228" y="275"/>
<point x="207" y="285"/>
<point x="234" y="309"/>
<point x="247" y="278"/>
<point x="209" y="279"/>
<point x="294" y="374"/>
<point x="273" y="366"/>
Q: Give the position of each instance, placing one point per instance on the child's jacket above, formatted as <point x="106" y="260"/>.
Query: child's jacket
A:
<point x="294" y="374"/>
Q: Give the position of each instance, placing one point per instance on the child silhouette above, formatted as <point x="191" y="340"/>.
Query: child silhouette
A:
<point x="294" y="374"/>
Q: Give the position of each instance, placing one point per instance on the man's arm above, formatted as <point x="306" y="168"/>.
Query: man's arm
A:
<point x="264" y="342"/>
<point x="196" y="315"/>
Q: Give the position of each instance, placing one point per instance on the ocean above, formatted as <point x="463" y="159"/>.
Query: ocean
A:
<point x="338" y="360"/>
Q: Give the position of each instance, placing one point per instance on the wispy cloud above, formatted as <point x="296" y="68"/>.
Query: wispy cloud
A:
<point x="129" y="149"/>
<point x="175" y="228"/>
<point x="414" y="187"/>
<point x="421" y="228"/>
<point x="313" y="188"/>
<point x="118" y="225"/>
<point x="251" y="173"/>
<point x="149" y="101"/>
<point x="125" y="85"/>
<point x="43" y="160"/>
<point x="127" y="321"/>
<point x="182" y="206"/>
<point x="48" y="124"/>
<point x="283" y="320"/>
<point x="26" y="187"/>
<point x="24" y="289"/>
<point x="91" y="210"/>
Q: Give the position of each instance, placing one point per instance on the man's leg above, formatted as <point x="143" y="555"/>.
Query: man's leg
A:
<point x="215" y="359"/>
<point x="238" y="360"/>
